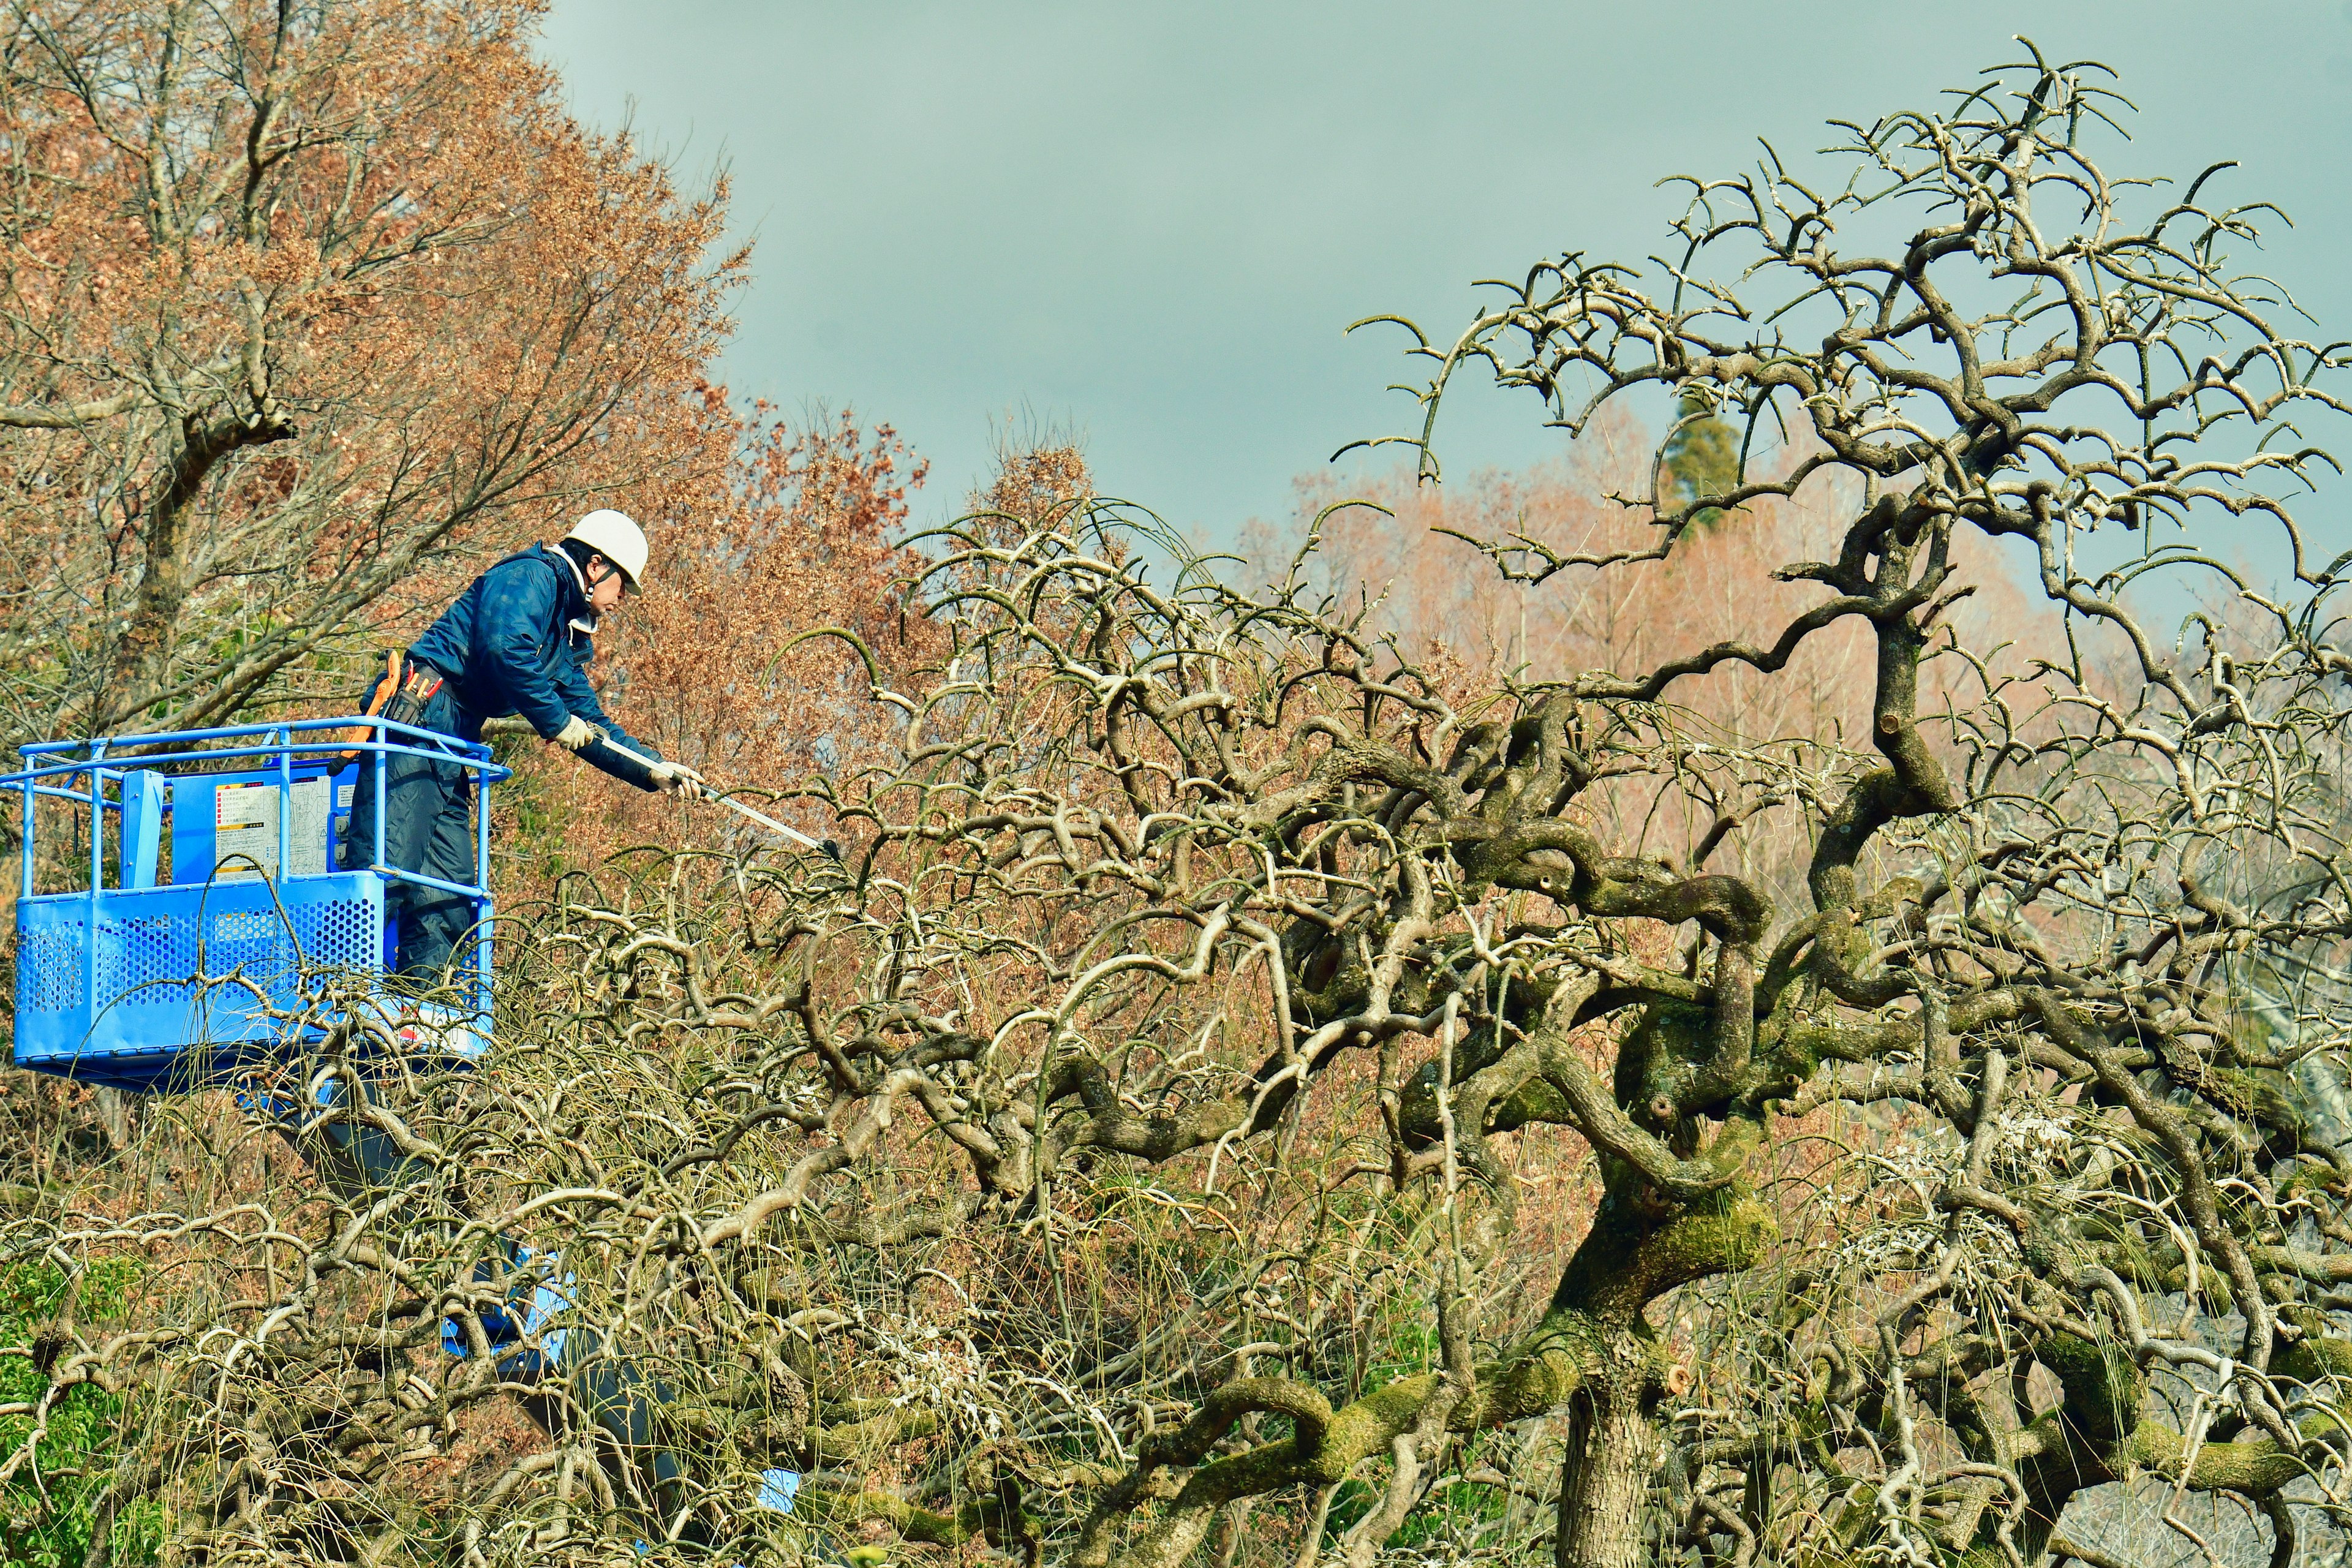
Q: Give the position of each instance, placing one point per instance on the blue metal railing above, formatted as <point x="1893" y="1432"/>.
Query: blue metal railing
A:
<point x="143" y="956"/>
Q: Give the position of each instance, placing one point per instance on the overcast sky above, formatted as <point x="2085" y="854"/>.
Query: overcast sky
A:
<point x="1151" y="223"/>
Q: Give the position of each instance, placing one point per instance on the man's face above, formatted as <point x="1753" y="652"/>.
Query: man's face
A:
<point x="604" y="591"/>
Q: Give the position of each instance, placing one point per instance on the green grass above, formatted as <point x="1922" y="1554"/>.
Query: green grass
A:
<point x="50" y="1515"/>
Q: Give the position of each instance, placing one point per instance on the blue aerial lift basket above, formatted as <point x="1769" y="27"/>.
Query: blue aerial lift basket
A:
<point x="143" y="980"/>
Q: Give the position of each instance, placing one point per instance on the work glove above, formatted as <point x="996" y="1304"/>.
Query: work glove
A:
<point x="576" y="735"/>
<point x="676" y="778"/>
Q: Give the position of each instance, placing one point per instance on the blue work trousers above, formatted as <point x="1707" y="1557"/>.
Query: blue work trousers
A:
<point x="428" y="826"/>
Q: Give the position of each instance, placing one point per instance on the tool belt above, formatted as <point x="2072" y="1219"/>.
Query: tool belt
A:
<point x="419" y="684"/>
<point x="400" y="696"/>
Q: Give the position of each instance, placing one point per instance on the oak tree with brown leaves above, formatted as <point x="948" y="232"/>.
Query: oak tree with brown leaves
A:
<point x="307" y="311"/>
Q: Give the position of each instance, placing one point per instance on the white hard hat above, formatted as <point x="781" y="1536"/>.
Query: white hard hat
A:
<point x="615" y="536"/>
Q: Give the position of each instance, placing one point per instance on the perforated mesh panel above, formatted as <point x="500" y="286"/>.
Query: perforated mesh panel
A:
<point x="344" y="934"/>
<point x="246" y="940"/>
<point x="150" y="946"/>
<point x="149" y="960"/>
<point x="48" y="969"/>
<point x="242" y="927"/>
<point x="336" y="935"/>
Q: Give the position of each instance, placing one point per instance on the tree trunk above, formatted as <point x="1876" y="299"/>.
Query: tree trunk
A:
<point x="142" y="651"/>
<point x="1605" y="1482"/>
<point x="114" y="1120"/>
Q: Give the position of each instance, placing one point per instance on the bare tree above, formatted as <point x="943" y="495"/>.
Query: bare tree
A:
<point x="1143" y="1148"/>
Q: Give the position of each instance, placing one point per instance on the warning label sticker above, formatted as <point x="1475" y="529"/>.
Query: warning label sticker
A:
<point x="245" y="830"/>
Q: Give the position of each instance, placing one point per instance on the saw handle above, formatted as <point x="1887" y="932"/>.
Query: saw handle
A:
<point x="823" y="846"/>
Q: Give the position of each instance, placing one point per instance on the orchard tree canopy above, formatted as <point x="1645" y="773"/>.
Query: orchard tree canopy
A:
<point x="1149" y="1143"/>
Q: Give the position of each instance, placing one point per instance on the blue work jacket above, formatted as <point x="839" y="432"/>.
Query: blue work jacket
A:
<point x="517" y="641"/>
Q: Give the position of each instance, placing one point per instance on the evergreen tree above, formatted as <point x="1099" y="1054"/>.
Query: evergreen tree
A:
<point x="1701" y="458"/>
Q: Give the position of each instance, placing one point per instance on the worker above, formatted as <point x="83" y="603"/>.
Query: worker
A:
<point x="516" y="641"/>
